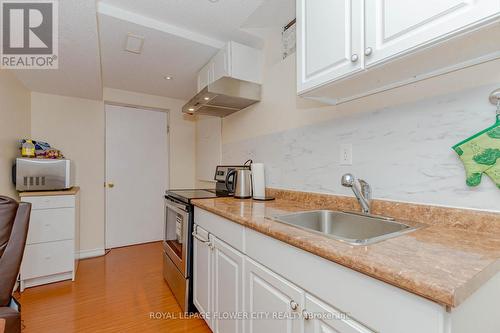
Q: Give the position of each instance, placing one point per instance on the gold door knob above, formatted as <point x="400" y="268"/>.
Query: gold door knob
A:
<point x="109" y="185"/>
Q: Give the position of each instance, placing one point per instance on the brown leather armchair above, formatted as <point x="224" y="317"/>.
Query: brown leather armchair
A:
<point x="14" y="221"/>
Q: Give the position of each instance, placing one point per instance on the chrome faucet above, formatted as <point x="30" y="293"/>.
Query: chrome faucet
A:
<point x="361" y="189"/>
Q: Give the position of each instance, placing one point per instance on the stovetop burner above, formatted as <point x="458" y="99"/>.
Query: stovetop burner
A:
<point x="186" y="195"/>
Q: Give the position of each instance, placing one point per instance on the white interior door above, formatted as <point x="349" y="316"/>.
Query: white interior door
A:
<point x="137" y="168"/>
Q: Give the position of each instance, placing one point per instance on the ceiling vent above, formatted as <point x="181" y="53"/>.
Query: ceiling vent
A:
<point x="134" y="43"/>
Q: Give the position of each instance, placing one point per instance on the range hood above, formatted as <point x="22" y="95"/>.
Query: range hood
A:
<point x="223" y="97"/>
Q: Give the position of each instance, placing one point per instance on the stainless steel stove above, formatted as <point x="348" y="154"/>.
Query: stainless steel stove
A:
<point x="177" y="241"/>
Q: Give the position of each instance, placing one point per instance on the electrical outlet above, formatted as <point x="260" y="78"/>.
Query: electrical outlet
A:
<point x="346" y="154"/>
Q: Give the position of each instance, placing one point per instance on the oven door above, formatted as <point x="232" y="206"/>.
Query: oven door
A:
<point x="177" y="230"/>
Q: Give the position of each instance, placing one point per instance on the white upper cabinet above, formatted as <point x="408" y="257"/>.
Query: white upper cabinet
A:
<point x="205" y="76"/>
<point x="347" y="49"/>
<point x="234" y="60"/>
<point x="245" y="63"/>
<point x="220" y="65"/>
<point x="329" y="36"/>
<point x="394" y="27"/>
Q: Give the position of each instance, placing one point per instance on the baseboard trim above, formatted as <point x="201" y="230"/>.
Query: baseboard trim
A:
<point x="84" y="254"/>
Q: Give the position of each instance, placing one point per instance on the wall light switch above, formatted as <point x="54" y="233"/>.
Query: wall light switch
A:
<point x="346" y="154"/>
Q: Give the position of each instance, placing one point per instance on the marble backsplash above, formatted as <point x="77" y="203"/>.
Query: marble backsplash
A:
<point x="404" y="152"/>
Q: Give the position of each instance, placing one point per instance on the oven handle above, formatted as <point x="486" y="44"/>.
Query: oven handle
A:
<point x="176" y="207"/>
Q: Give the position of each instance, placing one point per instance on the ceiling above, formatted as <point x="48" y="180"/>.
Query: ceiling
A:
<point x="271" y="14"/>
<point x="220" y="20"/>
<point x="163" y="55"/>
<point x="79" y="72"/>
<point x="180" y="36"/>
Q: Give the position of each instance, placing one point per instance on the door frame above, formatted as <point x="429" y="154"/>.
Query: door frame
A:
<point x="167" y="137"/>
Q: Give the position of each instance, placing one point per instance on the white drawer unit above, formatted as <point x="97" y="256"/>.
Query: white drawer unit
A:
<point x="51" y="202"/>
<point x="46" y="259"/>
<point x="53" y="239"/>
<point x="48" y="225"/>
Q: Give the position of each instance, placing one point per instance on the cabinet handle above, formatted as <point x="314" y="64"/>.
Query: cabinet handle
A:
<point x="354" y="57"/>
<point x="198" y="237"/>
<point x="293" y="305"/>
<point x="368" y="51"/>
<point x="306" y="315"/>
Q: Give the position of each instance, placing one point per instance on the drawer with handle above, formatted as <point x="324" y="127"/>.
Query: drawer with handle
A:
<point x="47" y="225"/>
<point x="47" y="258"/>
<point x="48" y="202"/>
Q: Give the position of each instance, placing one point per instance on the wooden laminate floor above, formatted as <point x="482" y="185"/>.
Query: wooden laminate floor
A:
<point x="114" y="293"/>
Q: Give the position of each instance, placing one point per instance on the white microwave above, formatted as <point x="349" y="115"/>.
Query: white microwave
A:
<point x="35" y="174"/>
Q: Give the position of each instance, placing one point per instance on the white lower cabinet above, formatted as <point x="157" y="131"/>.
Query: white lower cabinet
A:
<point x="277" y="305"/>
<point x="227" y="288"/>
<point x="202" y="272"/>
<point x="273" y="301"/>
<point x="217" y="282"/>
<point x="237" y="294"/>
<point x="236" y="282"/>
<point x="320" y="317"/>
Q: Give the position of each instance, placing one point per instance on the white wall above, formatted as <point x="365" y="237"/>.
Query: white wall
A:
<point x="76" y="126"/>
<point x="14" y="125"/>
<point x="281" y="109"/>
<point x="182" y="132"/>
<point x="401" y="138"/>
<point x="208" y="149"/>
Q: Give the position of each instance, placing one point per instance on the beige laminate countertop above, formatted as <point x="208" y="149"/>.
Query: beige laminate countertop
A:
<point x="439" y="262"/>
<point x="72" y="191"/>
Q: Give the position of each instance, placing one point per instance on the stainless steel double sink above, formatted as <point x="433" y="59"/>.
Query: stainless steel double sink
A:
<point x="350" y="227"/>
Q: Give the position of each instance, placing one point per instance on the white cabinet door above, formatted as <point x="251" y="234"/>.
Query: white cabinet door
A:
<point x="322" y="318"/>
<point x="270" y="299"/>
<point x="245" y="63"/>
<point x="227" y="288"/>
<point x="202" y="273"/>
<point x="329" y="40"/>
<point x="205" y="76"/>
<point x="394" y="27"/>
<point x="220" y="64"/>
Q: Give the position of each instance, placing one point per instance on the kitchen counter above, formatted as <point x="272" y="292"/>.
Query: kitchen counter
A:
<point x="445" y="261"/>
<point x="72" y="191"/>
